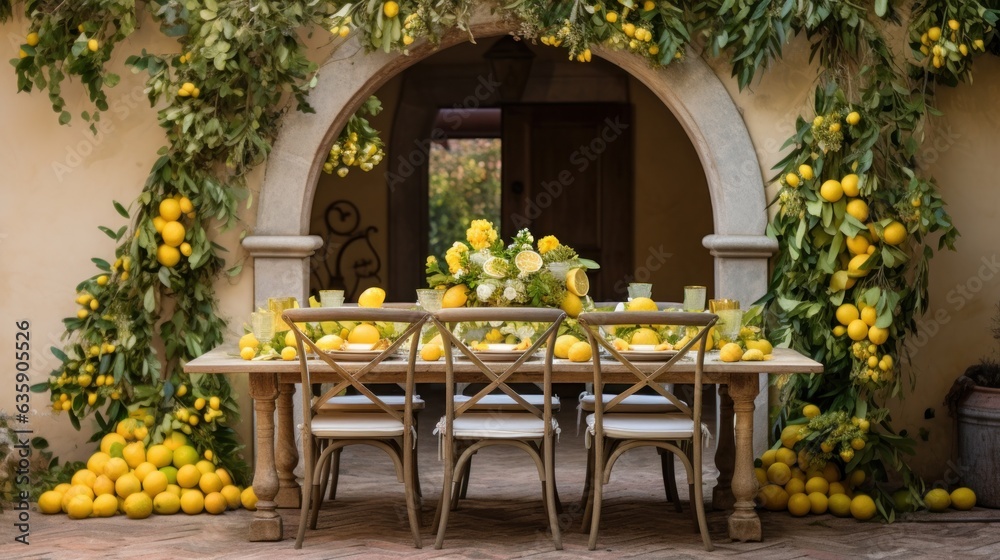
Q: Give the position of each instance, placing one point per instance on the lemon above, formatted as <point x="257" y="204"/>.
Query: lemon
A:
<point x="173" y="489"/>
<point x="188" y="476"/>
<point x="641" y="304"/>
<point x="841" y="281"/>
<point x="818" y="503"/>
<point x="176" y="439"/>
<point x="109" y="439"/>
<point x="761" y="476"/>
<point x="858" y="208"/>
<point x="577" y="282"/>
<point x="159" y="455"/>
<point x="752" y="355"/>
<point x="372" y="297"/>
<point x="390" y="9"/>
<point x="192" y="502"/>
<point x="836" y="488"/>
<point x="773" y="497"/>
<point x="134" y="454"/>
<point x="215" y="503"/>
<point x="810" y="411"/>
<point x="563" y="344"/>
<point x="579" y="352"/>
<point x="817" y="484"/>
<point x="937" y="500"/>
<point x="185" y="455"/>
<point x="170" y="209"/>
<point x="731" y="352"/>
<point x="793" y="487"/>
<point x="528" y="262"/>
<point x="790" y="436"/>
<point x="894" y="233"/>
<point x="74" y="491"/>
<point x="572" y="304"/>
<point x="168" y="256"/>
<point x="840" y="505"/>
<point x="611" y="17"/>
<point x="154" y="483"/>
<point x="862" y="507"/>
<point x="768" y="458"/>
<point x="173" y="233"/>
<point x="138" y="506"/>
<point x="779" y="473"/>
<point x="799" y="505"/>
<point x="93" y="45"/>
<point x="289" y="353"/>
<point x="186" y="249"/>
<point x="792" y="180"/>
<point x="248" y="353"/>
<point x="855" y="266"/>
<point x="853" y="118"/>
<point x="232" y="495"/>
<point x="850" y="185"/>
<point x="249" y="499"/>
<point x="185" y="205"/>
<point x="127" y="484"/>
<point x="831" y="473"/>
<point x="205" y="466"/>
<point x="97" y="461"/>
<point x="857" y="330"/>
<point x="209" y="483"/>
<point x="365" y="333"/>
<point x="963" y="499"/>
<point x="831" y="191"/>
<point x="430" y="352"/>
<point x="115" y="468"/>
<point x="786" y="456"/>
<point x="80" y="507"/>
<point x="50" y="502"/>
<point x="455" y="296"/>
<point x="143" y="470"/>
<point x="806" y="171"/>
<point x="764" y="346"/>
<point x="878" y="335"/>
<point x="166" y="503"/>
<point x="869" y="316"/>
<point x="858" y="245"/>
<point x="934" y="34"/>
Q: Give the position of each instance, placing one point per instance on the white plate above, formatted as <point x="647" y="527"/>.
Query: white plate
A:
<point x="646" y="353"/>
<point x="356" y="353"/>
<point x="496" y="353"/>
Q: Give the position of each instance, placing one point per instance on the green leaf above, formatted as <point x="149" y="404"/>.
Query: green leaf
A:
<point x="149" y="300"/>
<point x="121" y="209"/>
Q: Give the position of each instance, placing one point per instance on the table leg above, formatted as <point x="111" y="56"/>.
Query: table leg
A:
<point x="287" y="453"/>
<point x="266" y="523"/>
<point x="744" y="524"/>
<point x="725" y="453"/>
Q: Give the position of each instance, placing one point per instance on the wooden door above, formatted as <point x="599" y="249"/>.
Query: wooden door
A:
<point x="567" y="171"/>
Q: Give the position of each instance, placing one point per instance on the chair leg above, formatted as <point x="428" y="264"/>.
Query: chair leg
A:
<point x="551" y="499"/>
<point x="317" y="500"/>
<point x="409" y="488"/>
<point x="464" y="486"/>
<point x="307" y="451"/>
<point x="444" y="506"/>
<point x="669" y="477"/>
<point x="586" y="479"/>
<point x="334" y="473"/>
<point x="699" y="507"/>
<point x="595" y="508"/>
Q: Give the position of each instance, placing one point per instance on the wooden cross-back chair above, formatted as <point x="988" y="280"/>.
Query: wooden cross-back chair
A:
<point x="389" y="428"/>
<point x="529" y="428"/>
<point x="614" y="433"/>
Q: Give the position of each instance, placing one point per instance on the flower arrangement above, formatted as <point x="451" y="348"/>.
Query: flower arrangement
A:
<point x="517" y="274"/>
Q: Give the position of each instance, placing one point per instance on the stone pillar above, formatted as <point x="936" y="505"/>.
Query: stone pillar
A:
<point x="741" y="272"/>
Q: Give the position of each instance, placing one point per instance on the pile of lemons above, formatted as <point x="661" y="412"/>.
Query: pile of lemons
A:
<point x="172" y="232"/>
<point x="126" y="477"/>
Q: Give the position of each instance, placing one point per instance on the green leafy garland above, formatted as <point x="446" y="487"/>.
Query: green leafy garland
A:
<point x="239" y="66"/>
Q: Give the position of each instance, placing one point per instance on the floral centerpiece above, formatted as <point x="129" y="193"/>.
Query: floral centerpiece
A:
<point x="483" y="271"/>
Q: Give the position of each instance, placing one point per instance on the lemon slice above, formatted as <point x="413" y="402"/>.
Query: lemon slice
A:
<point x="528" y="262"/>
<point x="577" y="282"/>
<point x="495" y="267"/>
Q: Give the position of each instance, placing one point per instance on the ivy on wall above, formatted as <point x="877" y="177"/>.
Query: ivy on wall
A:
<point x="239" y="66"/>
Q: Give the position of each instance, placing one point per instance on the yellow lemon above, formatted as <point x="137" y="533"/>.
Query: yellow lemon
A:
<point x="806" y="171"/>
<point x="792" y="180"/>
<point x="289" y="353"/>
<point x="572" y="304"/>
<point x="858" y="245"/>
<point x="577" y="282"/>
<point x="934" y="34"/>
<point x="791" y="435"/>
<point x="138" y="506"/>
<point x="74" y="491"/>
<point x="768" y="458"/>
<point x="937" y="500"/>
<point x="105" y="505"/>
<point x="858" y="208"/>
<point x="580" y="352"/>
<point x="794" y="486"/>
<point x="430" y="353"/>
<point x="248" y="341"/>
<point x="853" y="118"/>
<point x="894" y="233"/>
<point x="50" y="502"/>
<point x="185" y="249"/>
<point x="455" y="296"/>
<point x="831" y="473"/>
<point x="210" y="482"/>
<point x="752" y="355"/>
<point x="97" y="461"/>
<point x="840" y="505"/>
<point x="390" y="9"/>
<point x="248" y="353"/>
<point x="173" y="489"/>
<point x="176" y="439"/>
<point x="869" y="316"/>
<point x="563" y="344"/>
<point x="641" y="304"/>
<point x="731" y="352"/>
<point x="134" y="454"/>
<point x="143" y="470"/>
<point x="779" y="473"/>
<point x="154" y="483"/>
<point x="193" y="502"/>
<point x="205" y="466"/>
<point x="831" y="191"/>
<point x="773" y="497"/>
<point x="963" y="499"/>
<point x="127" y="484"/>
<point x="170" y="209"/>
<point x="109" y="439"/>
<point x="185" y="205"/>
<point x="80" y="507"/>
<point x="166" y="503"/>
<point x="185" y="455"/>
<point x="786" y="456"/>
<point x="764" y="346"/>
<point x="857" y="330"/>
<point x="799" y="505"/>
<point x="93" y="45"/>
<point x="232" y="495"/>
<point x="330" y="342"/>
<point x="215" y="503"/>
<point x="173" y="233"/>
<point x="372" y="297"/>
<point x="365" y="333"/>
<point x="224" y="476"/>
<point x="818" y="503"/>
<point x="249" y="499"/>
<point x="290" y="339"/>
<point x="878" y="335"/>
<point x="761" y="476"/>
<point x="854" y="267"/>
<point x="188" y="476"/>
<point x="840" y="281"/>
<point x="810" y="411"/>
<point x="115" y="468"/>
<point x="817" y="484"/>
<point x="645" y="335"/>
<point x="168" y="256"/>
<point x="862" y="507"/>
<point x="850" y="185"/>
<point x="159" y="455"/>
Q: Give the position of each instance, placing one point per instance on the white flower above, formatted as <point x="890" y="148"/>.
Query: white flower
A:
<point x="510" y="293"/>
<point x="484" y="291"/>
<point x="459" y="273"/>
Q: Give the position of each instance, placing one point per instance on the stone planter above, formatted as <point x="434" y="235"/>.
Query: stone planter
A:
<point x="979" y="444"/>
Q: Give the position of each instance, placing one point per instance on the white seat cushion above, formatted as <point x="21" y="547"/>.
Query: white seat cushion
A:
<point x="356" y="425"/>
<point x="361" y="403"/>
<point x="502" y="401"/>
<point x="631" y="403"/>
<point x="644" y="426"/>
<point x="503" y="425"/>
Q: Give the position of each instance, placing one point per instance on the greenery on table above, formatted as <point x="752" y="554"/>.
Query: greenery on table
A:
<point x="240" y="66"/>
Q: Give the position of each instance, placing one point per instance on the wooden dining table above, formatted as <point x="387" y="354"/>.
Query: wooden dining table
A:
<point x="273" y="385"/>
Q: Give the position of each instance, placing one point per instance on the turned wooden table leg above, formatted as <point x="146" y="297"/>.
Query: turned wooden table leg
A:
<point x="287" y="453"/>
<point x="744" y="524"/>
<point x="266" y="523"/>
<point x="725" y="454"/>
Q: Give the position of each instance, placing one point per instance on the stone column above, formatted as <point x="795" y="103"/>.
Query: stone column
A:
<point x="742" y="272"/>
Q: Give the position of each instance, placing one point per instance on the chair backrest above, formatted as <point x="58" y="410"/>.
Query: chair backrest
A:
<point x="592" y="322"/>
<point x="497" y="373"/>
<point x="354" y="376"/>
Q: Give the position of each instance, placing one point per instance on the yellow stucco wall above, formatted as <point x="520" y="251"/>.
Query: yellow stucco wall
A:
<point x="58" y="183"/>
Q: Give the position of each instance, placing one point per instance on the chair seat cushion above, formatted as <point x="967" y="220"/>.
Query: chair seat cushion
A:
<point x="505" y="402"/>
<point x="644" y="426"/>
<point x="631" y="403"/>
<point x="502" y="425"/>
<point x="361" y="403"/>
<point x="356" y="425"/>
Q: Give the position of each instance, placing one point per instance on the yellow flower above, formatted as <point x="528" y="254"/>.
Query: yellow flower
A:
<point x="481" y="234"/>
<point x="431" y="260"/>
<point x="454" y="256"/>
<point x="547" y="243"/>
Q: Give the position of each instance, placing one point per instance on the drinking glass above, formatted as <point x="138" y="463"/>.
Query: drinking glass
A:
<point x="730" y="322"/>
<point x="638" y="290"/>
<point x="262" y="325"/>
<point x="716" y="305"/>
<point x="331" y="298"/>
<point x="430" y="299"/>
<point x="277" y="306"/>
<point x="694" y="298"/>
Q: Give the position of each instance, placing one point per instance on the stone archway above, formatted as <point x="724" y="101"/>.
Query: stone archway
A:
<point x="281" y="244"/>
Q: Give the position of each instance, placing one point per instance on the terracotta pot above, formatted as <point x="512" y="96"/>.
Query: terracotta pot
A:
<point x="979" y="444"/>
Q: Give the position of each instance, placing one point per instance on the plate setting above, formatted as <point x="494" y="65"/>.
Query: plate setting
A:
<point x="352" y="352"/>
<point x="496" y="353"/>
<point x="646" y="353"/>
